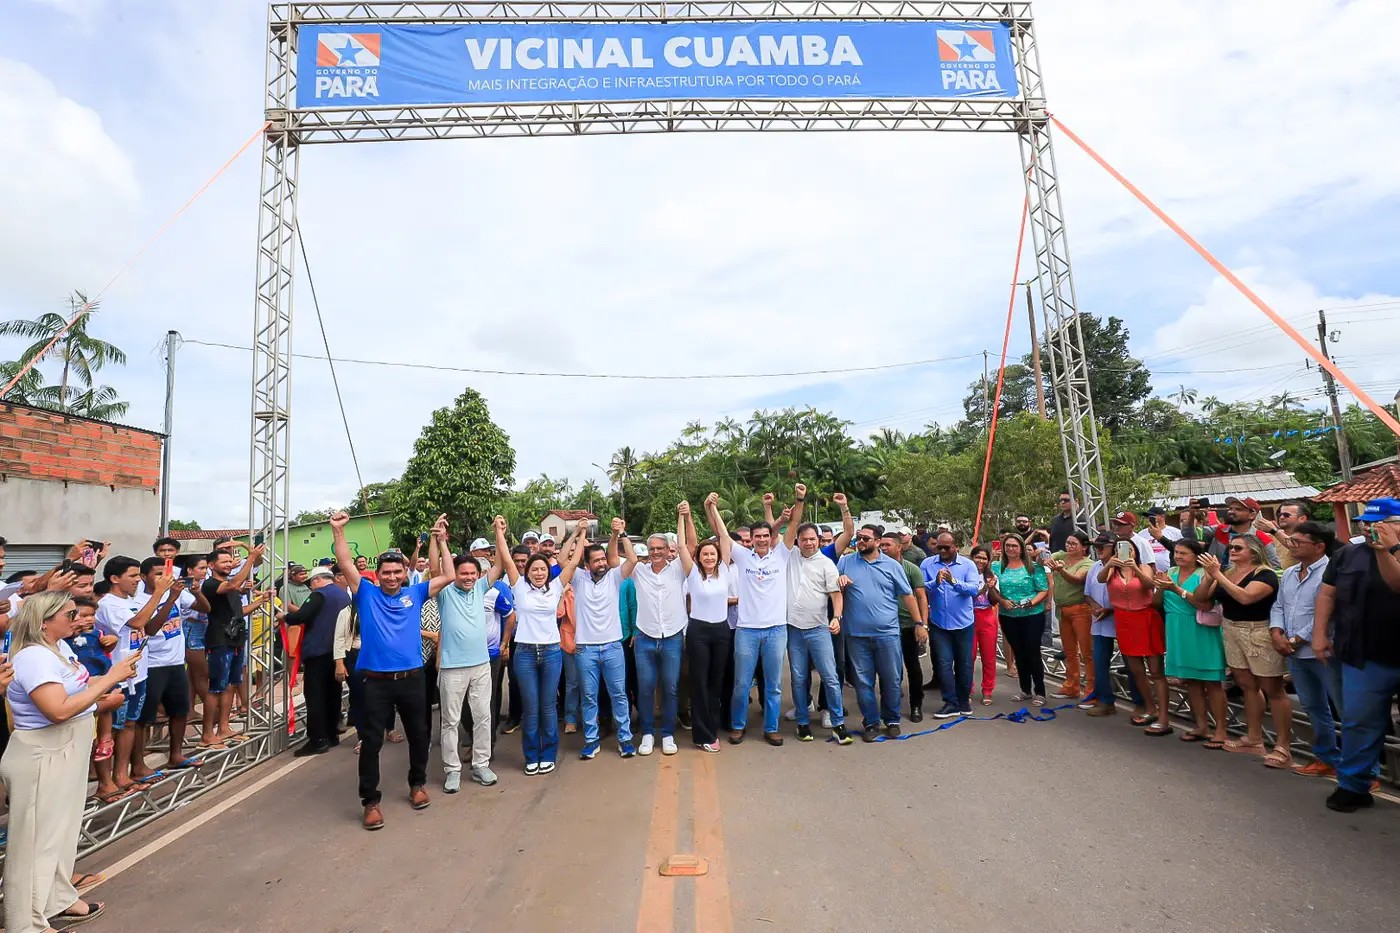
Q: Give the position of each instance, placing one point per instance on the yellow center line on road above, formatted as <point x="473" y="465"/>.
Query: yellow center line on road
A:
<point x="656" y="912"/>
<point x="713" y="913"/>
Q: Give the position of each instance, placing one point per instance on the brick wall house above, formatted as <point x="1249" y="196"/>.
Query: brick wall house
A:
<point x="63" y="478"/>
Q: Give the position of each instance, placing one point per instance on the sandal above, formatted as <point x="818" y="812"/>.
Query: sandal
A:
<point x="1245" y="748"/>
<point x="1146" y="719"/>
<point x="104" y="750"/>
<point x="1192" y="737"/>
<point x="88" y="880"/>
<point x="1158" y="728"/>
<point x="1214" y="745"/>
<point x="120" y="793"/>
<point x="1279" y="758"/>
<point x="987" y="700"/>
<point x="69" y="919"/>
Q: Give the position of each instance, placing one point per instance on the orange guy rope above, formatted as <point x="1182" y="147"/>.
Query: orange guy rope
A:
<point x="1001" y="368"/>
<point x="87" y="307"/>
<point x="1379" y="411"/>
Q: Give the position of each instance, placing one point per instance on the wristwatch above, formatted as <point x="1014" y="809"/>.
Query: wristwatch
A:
<point x="1394" y="549"/>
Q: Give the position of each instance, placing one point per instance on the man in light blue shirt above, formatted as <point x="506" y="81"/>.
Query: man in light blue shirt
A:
<point x="873" y="586"/>
<point x="464" y="664"/>
<point x="1291" y="628"/>
<point x="952" y="581"/>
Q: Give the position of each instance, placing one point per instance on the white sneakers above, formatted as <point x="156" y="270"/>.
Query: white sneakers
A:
<point x="647" y="745"/>
<point x="791" y="715"/>
<point x="826" y="719"/>
<point x="668" y="745"/>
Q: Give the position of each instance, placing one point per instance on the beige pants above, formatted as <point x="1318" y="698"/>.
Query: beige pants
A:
<point x="472" y="684"/>
<point x="45" y="774"/>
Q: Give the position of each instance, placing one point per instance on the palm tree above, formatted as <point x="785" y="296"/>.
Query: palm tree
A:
<point x="1284" y="401"/>
<point x="1185" y="396"/>
<point x="81" y="353"/>
<point x="30" y="390"/>
<point x="99" y="402"/>
<point x="1210" y="403"/>
<point x="620" y="469"/>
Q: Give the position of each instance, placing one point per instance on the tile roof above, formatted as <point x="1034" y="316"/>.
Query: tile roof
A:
<point x="209" y="534"/>
<point x="573" y="515"/>
<point x="1382" y="482"/>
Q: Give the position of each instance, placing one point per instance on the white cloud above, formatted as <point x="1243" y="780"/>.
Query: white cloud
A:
<point x="696" y="253"/>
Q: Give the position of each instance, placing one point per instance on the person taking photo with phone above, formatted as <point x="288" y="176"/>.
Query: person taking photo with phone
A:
<point x="1129" y="576"/>
<point x="45" y="766"/>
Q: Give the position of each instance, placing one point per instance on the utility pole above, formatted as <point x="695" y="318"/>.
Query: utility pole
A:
<point x="1035" y="356"/>
<point x="1343" y="451"/>
<point x="170" y="338"/>
<point x="986" y="395"/>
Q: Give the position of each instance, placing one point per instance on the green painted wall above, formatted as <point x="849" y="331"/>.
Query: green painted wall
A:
<point x="307" y="544"/>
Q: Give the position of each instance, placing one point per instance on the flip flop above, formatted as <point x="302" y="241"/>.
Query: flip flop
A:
<point x="184" y="764"/>
<point x="1146" y="719"/>
<point x="88" y="881"/>
<point x="151" y="778"/>
<point x="1213" y="744"/>
<point x="1192" y="737"/>
<point x="1158" y="729"/>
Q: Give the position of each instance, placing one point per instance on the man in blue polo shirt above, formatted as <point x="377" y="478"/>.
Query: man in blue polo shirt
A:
<point x="952" y="581"/>
<point x="391" y="660"/>
<point x="874" y="585"/>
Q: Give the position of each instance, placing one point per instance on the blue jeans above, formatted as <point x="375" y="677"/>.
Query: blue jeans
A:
<point x="572" y="706"/>
<point x="657" y="659"/>
<point x="809" y="648"/>
<point x="749" y="645"/>
<point x="1103" y="674"/>
<point x="537" y="668"/>
<point x="1317" y="683"/>
<point x="872" y="656"/>
<point x="953" y="649"/>
<point x="1366" y="696"/>
<point x="608" y="664"/>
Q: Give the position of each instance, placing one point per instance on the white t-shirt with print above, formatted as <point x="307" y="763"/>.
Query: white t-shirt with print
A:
<point x="761" y="583"/>
<point x="35" y="666"/>
<point x="113" y="614"/>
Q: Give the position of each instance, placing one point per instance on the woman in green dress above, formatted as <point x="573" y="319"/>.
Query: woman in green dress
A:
<point x="1195" y="652"/>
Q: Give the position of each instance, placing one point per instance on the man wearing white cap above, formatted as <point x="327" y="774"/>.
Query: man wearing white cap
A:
<point x="531" y="539"/>
<point x="317" y="617"/>
<point x="464" y="661"/>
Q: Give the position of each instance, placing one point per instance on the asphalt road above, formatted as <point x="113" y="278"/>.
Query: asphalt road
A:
<point x="1076" y="824"/>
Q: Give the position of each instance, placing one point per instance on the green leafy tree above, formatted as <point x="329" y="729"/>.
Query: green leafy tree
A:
<point x="79" y="355"/>
<point x="1118" y="382"/>
<point x="462" y="465"/>
<point x="374" y="497"/>
<point x="177" y="525"/>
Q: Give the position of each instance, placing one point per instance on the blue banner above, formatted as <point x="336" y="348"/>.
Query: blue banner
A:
<point x="482" y="63"/>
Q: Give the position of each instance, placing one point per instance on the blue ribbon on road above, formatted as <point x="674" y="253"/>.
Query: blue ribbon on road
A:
<point x="1045" y="714"/>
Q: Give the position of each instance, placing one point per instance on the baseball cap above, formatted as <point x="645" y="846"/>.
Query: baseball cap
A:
<point x="1125" y="518"/>
<point x="480" y="544"/>
<point x="326" y="562"/>
<point x="1380" y="510"/>
<point x="321" y="573"/>
<point x="641" y="550"/>
<point x="544" y="538"/>
<point x="1155" y="511"/>
<point x="1102" y="539"/>
<point x="530" y="536"/>
<point x="1248" y="502"/>
<point x="294" y="567"/>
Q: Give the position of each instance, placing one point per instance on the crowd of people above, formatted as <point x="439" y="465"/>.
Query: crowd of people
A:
<point x="642" y="642"/>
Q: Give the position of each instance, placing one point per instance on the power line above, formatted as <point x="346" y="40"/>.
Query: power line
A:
<point x="577" y="375"/>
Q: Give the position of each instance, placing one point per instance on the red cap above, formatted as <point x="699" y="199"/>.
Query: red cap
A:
<point x="1248" y="502"/>
<point x="1125" y="518"/>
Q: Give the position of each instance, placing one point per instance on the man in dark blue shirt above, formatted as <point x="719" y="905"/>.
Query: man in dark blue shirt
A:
<point x="391" y="660"/>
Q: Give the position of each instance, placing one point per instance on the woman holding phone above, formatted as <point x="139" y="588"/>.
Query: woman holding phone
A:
<point x="1142" y="636"/>
<point x="1195" y="652"/>
<point x="984" y="621"/>
<point x="45" y="767"/>
<point x="1023" y="589"/>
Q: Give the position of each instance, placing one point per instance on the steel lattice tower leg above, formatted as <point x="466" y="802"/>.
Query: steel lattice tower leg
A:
<point x="269" y="697"/>
<point x="1069" y="372"/>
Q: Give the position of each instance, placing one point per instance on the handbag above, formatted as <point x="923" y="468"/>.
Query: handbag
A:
<point x="1211" y="617"/>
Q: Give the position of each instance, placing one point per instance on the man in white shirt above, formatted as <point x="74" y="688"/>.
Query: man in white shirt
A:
<point x="167" y="683"/>
<point x="1158" y="537"/>
<point x="598" y="639"/>
<point x="811" y="582"/>
<point x="660" y="638"/>
<point x="761" y="582"/>
<point x="132" y="619"/>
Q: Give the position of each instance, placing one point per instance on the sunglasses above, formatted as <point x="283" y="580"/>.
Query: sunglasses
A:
<point x="1064" y="501"/>
<point x="70" y="615"/>
<point x="946" y="547"/>
<point x="1234" y="548"/>
<point x="865" y="537"/>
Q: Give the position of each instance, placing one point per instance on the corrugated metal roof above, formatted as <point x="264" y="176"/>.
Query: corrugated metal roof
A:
<point x="1264" y="485"/>
<point x="1281" y="494"/>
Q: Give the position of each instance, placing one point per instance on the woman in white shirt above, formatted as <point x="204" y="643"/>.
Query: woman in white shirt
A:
<point x="536" y="659"/>
<point x="709" y="641"/>
<point x="45" y="766"/>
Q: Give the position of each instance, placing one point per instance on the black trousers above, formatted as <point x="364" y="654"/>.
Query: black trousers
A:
<point x="1023" y="635"/>
<point x="915" y="679"/>
<point x="322" y="692"/>
<point x="516" y="708"/>
<point x="382" y="698"/>
<point x="709" y="646"/>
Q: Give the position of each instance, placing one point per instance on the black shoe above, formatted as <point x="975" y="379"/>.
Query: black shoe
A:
<point x="841" y="736"/>
<point x="318" y="748"/>
<point x="947" y="711"/>
<point x="511" y="727"/>
<point x="870" y="734"/>
<point x="892" y="730"/>
<point x="683" y="719"/>
<point x="804" y="733"/>
<point x="1349" y="801"/>
<point x="916" y="714"/>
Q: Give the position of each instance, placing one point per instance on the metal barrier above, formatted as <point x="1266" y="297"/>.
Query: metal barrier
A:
<point x="1179" y="705"/>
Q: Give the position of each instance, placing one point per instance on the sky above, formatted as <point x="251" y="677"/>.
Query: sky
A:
<point x="1270" y="137"/>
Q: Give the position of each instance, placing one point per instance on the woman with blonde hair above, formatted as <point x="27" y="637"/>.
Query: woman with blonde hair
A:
<point x="45" y="766"/>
